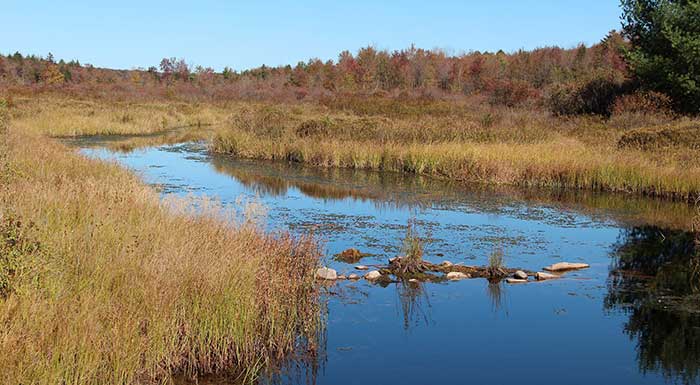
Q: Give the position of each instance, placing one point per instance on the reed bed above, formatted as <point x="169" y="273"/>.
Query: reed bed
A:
<point x="107" y="283"/>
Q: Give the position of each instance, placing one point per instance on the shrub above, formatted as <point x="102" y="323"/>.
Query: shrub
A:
<point x="313" y="128"/>
<point x="642" y="102"/>
<point x="510" y="93"/>
<point x="265" y="121"/>
<point x="594" y="96"/>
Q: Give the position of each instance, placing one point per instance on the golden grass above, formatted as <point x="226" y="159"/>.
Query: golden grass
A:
<point x="60" y="117"/>
<point x="125" y="288"/>
<point x="457" y="148"/>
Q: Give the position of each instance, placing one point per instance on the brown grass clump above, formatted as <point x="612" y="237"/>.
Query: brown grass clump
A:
<point x="681" y="135"/>
<point x="112" y="285"/>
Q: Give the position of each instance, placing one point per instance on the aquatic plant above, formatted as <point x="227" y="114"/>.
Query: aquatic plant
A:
<point x="496" y="267"/>
<point x="412" y="249"/>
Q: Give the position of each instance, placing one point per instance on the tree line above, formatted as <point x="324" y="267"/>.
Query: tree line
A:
<point x="652" y="63"/>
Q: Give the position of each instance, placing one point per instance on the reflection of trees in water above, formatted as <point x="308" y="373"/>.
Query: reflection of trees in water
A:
<point x="655" y="279"/>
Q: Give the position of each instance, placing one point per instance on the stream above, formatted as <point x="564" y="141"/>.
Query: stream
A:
<point x="628" y="319"/>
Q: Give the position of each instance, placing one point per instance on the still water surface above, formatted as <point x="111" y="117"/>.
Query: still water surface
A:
<point x="594" y="326"/>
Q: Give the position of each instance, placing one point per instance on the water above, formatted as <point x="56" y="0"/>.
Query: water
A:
<point x="595" y="325"/>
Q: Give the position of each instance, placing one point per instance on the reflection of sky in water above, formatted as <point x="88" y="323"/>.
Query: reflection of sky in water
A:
<point x="461" y="332"/>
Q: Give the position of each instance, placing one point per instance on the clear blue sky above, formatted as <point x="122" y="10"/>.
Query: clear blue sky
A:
<point x="244" y="34"/>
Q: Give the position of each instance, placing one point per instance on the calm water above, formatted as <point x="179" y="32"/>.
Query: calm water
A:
<point x="594" y="326"/>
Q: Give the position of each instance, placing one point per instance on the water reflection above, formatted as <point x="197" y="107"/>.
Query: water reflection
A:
<point x="655" y="279"/>
<point x="396" y="190"/>
<point x="427" y="330"/>
<point x="414" y="303"/>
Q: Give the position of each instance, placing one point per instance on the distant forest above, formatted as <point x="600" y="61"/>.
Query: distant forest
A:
<point x="511" y="79"/>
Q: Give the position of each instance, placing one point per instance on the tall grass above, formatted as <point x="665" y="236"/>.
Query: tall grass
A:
<point x="64" y="117"/>
<point x="123" y="288"/>
<point x="579" y="154"/>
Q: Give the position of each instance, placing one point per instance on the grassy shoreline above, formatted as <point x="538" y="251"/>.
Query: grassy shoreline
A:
<point x="545" y="153"/>
<point x="102" y="282"/>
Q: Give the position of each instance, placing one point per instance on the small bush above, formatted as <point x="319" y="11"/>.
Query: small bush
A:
<point x="313" y="128"/>
<point x="266" y="121"/>
<point x="642" y="102"/>
<point x="595" y="96"/>
<point x="510" y="93"/>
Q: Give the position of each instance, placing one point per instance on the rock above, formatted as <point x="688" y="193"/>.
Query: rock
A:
<point x="563" y="266"/>
<point x="413" y="280"/>
<point x="373" y="275"/>
<point x="361" y="267"/>
<point x="392" y="260"/>
<point x="456" y="276"/>
<point x="342" y="277"/>
<point x="326" y="273"/>
<point x="446" y="264"/>
<point x="516" y="280"/>
<point x="350" y="255"/>
<point x="353" y="276"/>
<point x="520" y="275"/>
<point x="545" y="276"/>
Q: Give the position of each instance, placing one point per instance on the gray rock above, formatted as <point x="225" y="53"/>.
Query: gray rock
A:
<point x="516" y="280"/>
<point x="545" y="276"/>
<point x="373" y="275"/>
<point x="520" y="275"/>
<point x="341" y="276"/>
<point x="564" y="266"/>
<point x="353" y="276"/>
<point x="361" y="267"/>
<point x="326" y="273"/>
<point x="457" y="275"/>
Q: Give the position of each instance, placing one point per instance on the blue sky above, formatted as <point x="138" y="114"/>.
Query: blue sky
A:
<point x="245" y="34"/>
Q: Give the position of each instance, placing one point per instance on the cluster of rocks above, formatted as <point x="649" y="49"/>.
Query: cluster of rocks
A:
<point x="561" y="267"/>
<point x="446" y="270"/>
<point x="328" y="274"/>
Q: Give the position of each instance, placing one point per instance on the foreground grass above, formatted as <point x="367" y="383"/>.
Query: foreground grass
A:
<point x="102" y="282"/>
<point x="529" y="150"/>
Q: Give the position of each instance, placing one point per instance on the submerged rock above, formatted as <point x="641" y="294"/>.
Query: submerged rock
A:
<point x="353" y="276"/>
<point x="457" y="275"/>
<point x="520" y="275"/>
<point x="563" y="266"/>
<point x="350" y="255"/>
<point x="326" y="273"/>
<point x="361" y="267"/>
<point x="516" y="280"/>
<point x="545" y="276"/>
<point x="373" y="275"/>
